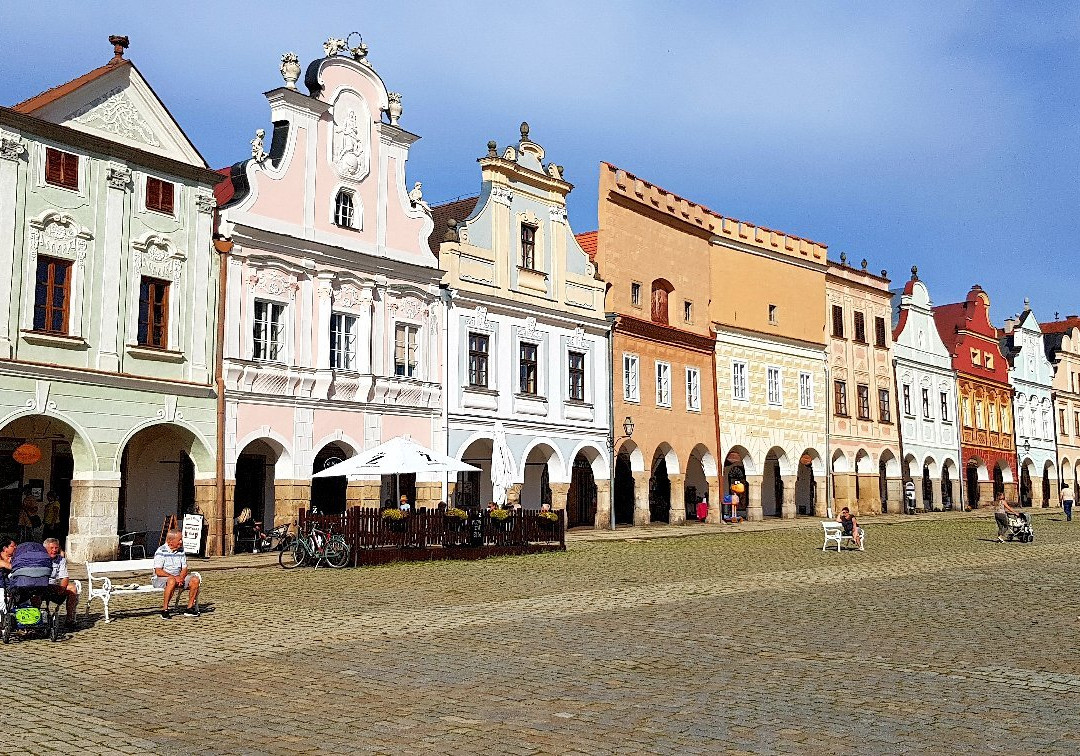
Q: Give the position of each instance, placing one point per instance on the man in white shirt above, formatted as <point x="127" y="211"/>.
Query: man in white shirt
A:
<point x="59" y="583"/>
<point x="171" y="573"/>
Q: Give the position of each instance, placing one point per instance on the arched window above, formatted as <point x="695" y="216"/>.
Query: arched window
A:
<point x="344" y="211"/>
<point x="660" y="291"/>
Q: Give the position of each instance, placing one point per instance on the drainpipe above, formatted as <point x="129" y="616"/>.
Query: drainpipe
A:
<point x="716" y="427"/>
<point x="223" y="247"/>
<point x="828" y="451"/>
<point x="900" y="438"/>
<point x="611" y="318"/>
<point x="447" y="295"/>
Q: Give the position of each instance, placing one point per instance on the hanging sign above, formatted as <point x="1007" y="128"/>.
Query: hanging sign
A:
<point x="27" y="454"/>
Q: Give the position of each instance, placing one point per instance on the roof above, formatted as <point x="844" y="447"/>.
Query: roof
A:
<point x="587" y="240"/>
<point x="1061" y="326"/>
<point x="457" y="210"/>
<point x="39" y="101"/>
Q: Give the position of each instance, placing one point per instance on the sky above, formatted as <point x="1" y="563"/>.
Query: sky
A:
<point x="939" y="134"/>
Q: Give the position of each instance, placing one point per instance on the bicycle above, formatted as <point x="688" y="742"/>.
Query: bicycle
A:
<point x="315" y="546"/>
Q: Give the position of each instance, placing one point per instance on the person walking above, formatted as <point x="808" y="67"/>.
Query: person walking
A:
<point x="1067" y="499"/>
<point x="1001" y="515"/>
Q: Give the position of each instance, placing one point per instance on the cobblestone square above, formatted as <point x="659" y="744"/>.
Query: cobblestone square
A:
<point x="936" y="639"/>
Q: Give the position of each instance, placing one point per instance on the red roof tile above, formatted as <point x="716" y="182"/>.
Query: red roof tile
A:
<point x="457" y="210"/>
<point x="1061" y="326"/>
<point x="587" y="240"/>
<point x="39" y="101"/>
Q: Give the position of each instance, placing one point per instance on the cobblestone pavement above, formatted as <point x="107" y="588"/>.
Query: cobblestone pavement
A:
<point x="936" y="639"/>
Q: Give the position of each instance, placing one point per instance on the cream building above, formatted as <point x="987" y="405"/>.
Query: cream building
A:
<point x="1062" y="339"/>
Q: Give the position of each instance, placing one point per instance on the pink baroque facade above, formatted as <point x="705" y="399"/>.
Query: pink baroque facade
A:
<point x="333" y="312"/>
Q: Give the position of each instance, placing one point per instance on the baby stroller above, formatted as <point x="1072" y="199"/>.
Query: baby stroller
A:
<point x="1020" y="528"/>
<point x="28" y="602"/>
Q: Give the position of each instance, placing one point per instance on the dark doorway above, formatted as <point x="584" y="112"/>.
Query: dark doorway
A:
<point x="883" y="485"/>
<point x="736" y="473"/>
<point x="11" y="477"/>
<point x="185" y="494"/>
<point x="659" y="493"/>
<point x="624" y="490"/>
<point x="1027" y="489"/>
<point x="946" y="489"/>
<point x="972" y="485"/>
<point x="805" y="489"/>
<point x="63" y="469"/>
<point x="999" y="481"/>
<point x="393" y="490"/>
<point x="1046" y="487"/>
<point x="250" y="490"/>
<point x="927" y="489"/>
<point x="467" y="490"/>
<point x="581" y="498"/>
<point x="328" y="495"/>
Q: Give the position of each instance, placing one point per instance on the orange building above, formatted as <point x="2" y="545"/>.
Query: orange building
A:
<point x="654" y="252"/>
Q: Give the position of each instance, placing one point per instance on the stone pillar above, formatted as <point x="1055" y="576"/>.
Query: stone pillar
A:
<point x="290" y="496"/>
<point x="118" y="179"/>
<point x="716" y="500"/>
<point x="641" y="498"/>
<point x="843" y="491"/>
<point x="870" y="502"/>
<point x="1055" y="493"/>
<point x="206" y="504"/>
<point x="895" y="487"/>
<point x="677" y="500"/>
<point x="603" y="504"/>
<point x="12" y="153"/>
<point x="787" y="506"/>
<point x="230" y="498"/>
<point x="94" y="516"/>
<point x="958" y="503"/>
<point x="986" y="493"/>
<point x="1012" y="493"/>
<point x="558" y="494"/>
<point x="753" y="494"/>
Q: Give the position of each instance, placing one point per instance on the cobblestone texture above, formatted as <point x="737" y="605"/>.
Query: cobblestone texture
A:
<point x="935" y="640"/>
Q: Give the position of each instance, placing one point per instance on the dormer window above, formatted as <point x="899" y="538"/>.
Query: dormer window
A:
<point x="344" y="210"/>
<point x="528" y="246"/>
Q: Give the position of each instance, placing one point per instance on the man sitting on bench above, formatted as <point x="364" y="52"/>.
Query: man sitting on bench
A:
<point x="59" y="585"/>
<point x="171" y="573"/>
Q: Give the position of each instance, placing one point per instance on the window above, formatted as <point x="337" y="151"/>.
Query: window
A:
<point x="884" y="406"/>
<point x="576" y="364"/>
<point x="772" y="380"/>
<point x="976" y="357"/>
<point x="269" y="331"/>
<point x="837" y="322"/>
<point x="980" y="419"/>
<point x="864" y="401"/>
<point x="965" y="404"/>
<point x="406" y="348"/>
<point x="739" y="389"/>
<point x="806" y="391"/>
<point x="1006" y="420"/>
<point x="992" y="411"/>
<point x="926" y="404"/>
<point x="52" y="295"/>
<point x="1063" y="424"/>
<point x="907" y="399"/>
<point x="635" y="294"/>
<point x="860" y="327"/>
<point x="879" y="332"/>
<point x="61" y="168"/>
<point x="631" y="378"/>
<point x="478" y="359"/>
<point x="527" y="372"/>
<point x="772" y="315"/>
<point x="342" y="341"/>
<point x="663" y="384"/>
<point x="1021" y="421"/>
<point x="988" y="361"/>
<point x="688" y="311"/>
<point x="693" y="389"/>
<point x="344" y="210"/>
<point x="944" y="406"/>
<point x="153" y="312"/>
<point x="660" y="291"/>
<point x="840" y="398"/>
<point x="1076" y="424"/>
<point x="528" y="246"/>
<point x="159" y="195"/>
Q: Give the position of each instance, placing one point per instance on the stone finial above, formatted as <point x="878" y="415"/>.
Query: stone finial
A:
<point x="914" y="272"/>
<point x="493" y="148"/>
<point x="332" y="46"/>
<point x="863" y="263"/>
<point x="524" y="131"/>
<point x="394" y="107"/>
<point x="843" y="258"/>
<point x="1027" y="304"/>
<point x="451" y="234"/>
<point x="119" y="43"/>
<point x="290" y="69"/>
<point x="416" y="197"/>
<point x="884" y="273"/>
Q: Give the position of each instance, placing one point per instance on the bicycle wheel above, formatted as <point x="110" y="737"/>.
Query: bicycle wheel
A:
<point x="337" y="552"/>
<point x="294" y="556"/>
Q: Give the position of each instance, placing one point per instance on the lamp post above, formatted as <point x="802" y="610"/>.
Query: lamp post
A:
<point x="628" y="431"/>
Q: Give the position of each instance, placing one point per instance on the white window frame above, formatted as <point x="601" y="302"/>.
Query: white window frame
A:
<point x="344" y="328"/>
<point x="946" y="401"/>
<point x="693" y="389"/>
<point x="905" y="399"/>
<point x="418" y="369"/>
<point x="774" y="385"/>
<point x="663" y="384"/>
<point x="740" y="381"/>
<point x="282" y="342"/>
<point x="806" y="390"/>
<point x="631" y="378"/>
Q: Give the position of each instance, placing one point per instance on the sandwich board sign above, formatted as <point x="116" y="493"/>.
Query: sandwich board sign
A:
<point x="193" y="531"/>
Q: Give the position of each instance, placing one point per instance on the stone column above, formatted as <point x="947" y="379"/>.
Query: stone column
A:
<point x="290" y="496"/>
<point x="842" y="492"/>
<point x="94" y="516"/>
<point x="12" y="153"/>
<point x="677" y="500"/>
<point x="788" y="510"/>
<point x="986" y="493"/>
<point x="558" y="494"/>
<point x="230" y="497"/>
<point x="207" y="505"/>
<point x="753" y="493"/>
<point x="1055" y="493"/>
<point x="1012" y="493"/>
<point x="641" y="498"/>
<point x="716" y="498"/>
<point x="603" y="504"/>
<point x="870" y="502"/>
<point x="896" y="493"/>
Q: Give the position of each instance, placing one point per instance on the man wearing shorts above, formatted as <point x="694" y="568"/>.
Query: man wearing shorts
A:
<point x="60" y="585"/>
<point x="171" y="573"/>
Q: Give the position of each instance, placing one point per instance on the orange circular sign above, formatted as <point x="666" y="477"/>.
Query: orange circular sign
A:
<point x="738" y="487"/>
<point x="27" y="454"/>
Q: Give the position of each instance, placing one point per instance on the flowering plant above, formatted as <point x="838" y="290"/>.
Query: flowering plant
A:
<point x="550" y="516"/>
<point x="499" y="515"/>
<point x="455" y="513"/>
<point x="393" y="515"/>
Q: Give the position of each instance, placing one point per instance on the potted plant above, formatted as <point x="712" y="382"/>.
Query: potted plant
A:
<point x="454" y="513"/>
<point x="499" y="515"/>
<point x="550" y="517"/>
<point x="394" y="519"/>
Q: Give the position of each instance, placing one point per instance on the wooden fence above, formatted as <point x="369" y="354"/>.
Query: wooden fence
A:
<point x="427" y="535"/>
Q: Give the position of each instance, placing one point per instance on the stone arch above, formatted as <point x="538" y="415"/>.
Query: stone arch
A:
<point x="556" y="472"/>
<point x="840" y="462"/>
<point x="82" y="450"/>
<point x="671" y="459"/>
<point x="473" y="489"/>
<point x="889" y="479"/>
<point x="950" y="482"/>
<point x="597" y="459"/>
<point x="700" y="472"/>
<point x="811" y="469"/>
<point x="633" y="452"/>
<point x="629" y="470"/>
<point x="911" y="467"/>
<point x="775" y="468"/>
<point x="1006" y="470"/>
<point x="330" y="495"/>
<point x="925" y="486"/>
<point x="199" y="449"/>
<point x="278" y="443"/>
<point x="541" y="466"/>
<point x="744" y="458"/>
<point x="582" y="493"/>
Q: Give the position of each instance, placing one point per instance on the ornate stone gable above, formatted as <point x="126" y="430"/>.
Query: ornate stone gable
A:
<point x="115" y="113"/>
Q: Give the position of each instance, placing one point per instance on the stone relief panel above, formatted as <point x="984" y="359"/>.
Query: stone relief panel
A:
<point x="351" y="137"/>
<point x="115" y="113"/>
<point x="154" y="256"/>
<point x="58" y="235"/>
<point x="273" y="282"/>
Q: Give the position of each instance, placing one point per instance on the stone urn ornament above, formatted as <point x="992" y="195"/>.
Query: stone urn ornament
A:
<point x="290" y="69"/>
<point x="393" y="109"/>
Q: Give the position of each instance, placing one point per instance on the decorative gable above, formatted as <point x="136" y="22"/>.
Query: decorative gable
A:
<point x="115" y="113"/>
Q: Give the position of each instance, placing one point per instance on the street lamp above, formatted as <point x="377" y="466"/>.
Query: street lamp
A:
<point x="628" y="431"/>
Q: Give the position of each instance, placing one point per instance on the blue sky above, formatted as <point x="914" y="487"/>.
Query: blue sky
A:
<point x="942" y="134"/>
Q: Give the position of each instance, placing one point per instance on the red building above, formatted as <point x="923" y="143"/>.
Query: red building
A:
<point x="987" y="445"/>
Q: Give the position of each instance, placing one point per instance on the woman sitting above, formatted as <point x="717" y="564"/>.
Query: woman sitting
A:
<point x="851" y="527"/>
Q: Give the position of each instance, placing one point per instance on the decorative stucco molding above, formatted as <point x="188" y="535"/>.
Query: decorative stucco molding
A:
<point x="118" y="176"/>
<point x="115" y="113"/>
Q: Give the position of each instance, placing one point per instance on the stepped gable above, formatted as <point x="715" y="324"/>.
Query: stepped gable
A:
<point x="660" y="200"/>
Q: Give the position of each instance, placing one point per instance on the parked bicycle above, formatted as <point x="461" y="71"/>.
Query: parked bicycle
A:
<point x="277" y="539"/>
<point x="315" y="547"/>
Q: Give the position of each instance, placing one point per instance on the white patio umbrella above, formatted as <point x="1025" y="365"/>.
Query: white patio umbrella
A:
<point x="502" y="466"/>
<point x="396" y="456"/>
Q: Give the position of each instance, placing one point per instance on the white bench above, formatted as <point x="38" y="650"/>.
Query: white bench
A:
<point x="834" y="533"/>
<point x="139" y="572"/>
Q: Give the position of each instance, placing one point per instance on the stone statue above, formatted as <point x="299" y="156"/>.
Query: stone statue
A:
<point x="416" y="197"/>
<point x="555" y="171"/>
<point x="258" y="154"/>
<point x="332" y="46"/>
